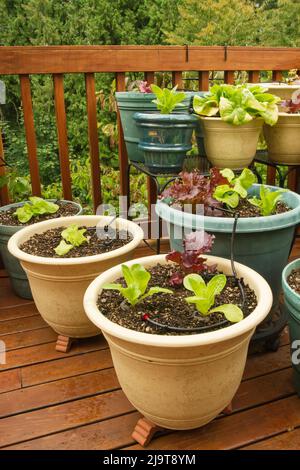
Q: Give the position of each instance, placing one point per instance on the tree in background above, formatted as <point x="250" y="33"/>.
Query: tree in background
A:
<point x="281" y="24"/>
<point x="71" y="22"/>
<point x="52" y="22"/>
<point x="237" y="23"/>
<point x="216" y="22"/>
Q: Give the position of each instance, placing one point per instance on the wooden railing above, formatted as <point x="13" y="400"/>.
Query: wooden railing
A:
<point x="59" y="60"/>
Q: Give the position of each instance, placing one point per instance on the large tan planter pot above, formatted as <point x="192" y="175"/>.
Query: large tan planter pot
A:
<point x="58" y="284"/>
<point x="283" y="90"/>
<point x="180" y="382"/>
<point x="229" y="146"/>
<point x="283" y="139"/>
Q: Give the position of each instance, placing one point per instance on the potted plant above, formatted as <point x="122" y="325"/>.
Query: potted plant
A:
<point x="13" y="217"/>
<point x="291" y="289"/>
<point x="165" y="138"/>
<point x="283" y="89"/>
<point x="283" y="139"/>
<point x="265" y="219"/>
<point x="62" y="256"/>
<point x="179" y="350"/>
<point x="141" y="100"/>
<point x="232" y="118"/>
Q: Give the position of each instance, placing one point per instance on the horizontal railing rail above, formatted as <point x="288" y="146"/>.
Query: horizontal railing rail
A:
<point x="25" y="61"/>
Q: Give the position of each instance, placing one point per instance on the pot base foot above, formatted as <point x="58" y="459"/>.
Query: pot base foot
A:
<point x="145" y="429"/>
<point x="63" y="343"/>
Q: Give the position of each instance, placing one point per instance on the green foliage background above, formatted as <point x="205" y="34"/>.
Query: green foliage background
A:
<point x="52" y="22"/>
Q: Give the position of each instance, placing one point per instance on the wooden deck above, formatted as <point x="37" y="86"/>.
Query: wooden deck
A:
<point x="51" y="400"/>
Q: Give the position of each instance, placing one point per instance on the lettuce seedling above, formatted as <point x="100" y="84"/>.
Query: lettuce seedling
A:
<point x="205" y="295"/>
<point x="195" y="188"/>
<point x="74" y="236"/>
<point x="268" y="200"/>
<point x="238" y="104"/>
<point x="237" y="187"/>
<point x="137" y="279"/>
<point x="167" y="100"/>
<point x="190" y="260"/>
<point x="36" y="206"/>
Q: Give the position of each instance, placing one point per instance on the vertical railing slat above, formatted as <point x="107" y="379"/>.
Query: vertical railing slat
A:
<point x="30" y="134"/>
<point x="61" y="125"/>
<point x="204" y="81"/>
<point x="149" y="77"/>
<point x="229" y="77"/>
<point x="123" y="157"/>
<point x="93" y="138"/>
<point x="177" y="79"/>
<point x="4" y="198"/>
<point x="276" y="75"/>
<point x="254" y="76"/>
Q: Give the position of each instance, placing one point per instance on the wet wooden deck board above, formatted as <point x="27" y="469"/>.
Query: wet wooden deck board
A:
<point x="51" y="400"/>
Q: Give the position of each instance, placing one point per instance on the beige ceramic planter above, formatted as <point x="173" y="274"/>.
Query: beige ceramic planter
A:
<point x="180" y="382"/>
<point x="283" y="139"/>
<point x="229" y="146"/>
<point x="58" y="285"/>
<point x="283" y="90"/>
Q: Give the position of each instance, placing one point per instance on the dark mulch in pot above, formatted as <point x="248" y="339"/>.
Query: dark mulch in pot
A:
<point x="43" y="244"/>
<point x="246" y="209"/>
<point x="65" y="209"/>
<point x="172" y="309"/>
<point x="293" y="280"/>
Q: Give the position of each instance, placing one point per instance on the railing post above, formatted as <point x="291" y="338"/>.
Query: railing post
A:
<point x="123" y="157"/>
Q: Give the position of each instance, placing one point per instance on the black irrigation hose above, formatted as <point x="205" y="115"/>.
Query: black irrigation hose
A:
<point x="180" y="329"/>
<point x="145" y="317"/>
<point x="108" y="241"/>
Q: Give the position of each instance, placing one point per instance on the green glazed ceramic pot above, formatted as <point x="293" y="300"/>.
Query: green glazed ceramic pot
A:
<point x="129" y="103"/>
<point x="261" y="243"/>
<point x="165" y="140"/>
<point x="292" y="304"/>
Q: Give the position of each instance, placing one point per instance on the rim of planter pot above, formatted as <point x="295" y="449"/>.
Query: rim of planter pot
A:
<point x="25" y="233"/>
<point x="286" y="272"/>
<point x="218" y="118"/>
<point x="277" y="85"/>
<point x="20" y="204"/>
<point x="225" y="224"/>
<point x="261" y="287"/>
<point x="150" y="117"/>
<point x="138" y="96"/>
<point x="293" y="115"/>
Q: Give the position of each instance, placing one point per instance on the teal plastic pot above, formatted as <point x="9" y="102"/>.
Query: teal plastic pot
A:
<point x="165" y="140"/>
<point x="129" y="103"/>
<point x="261" y="243"/>
<point x="13" y="267"/>
<point x="292" y="305"/>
